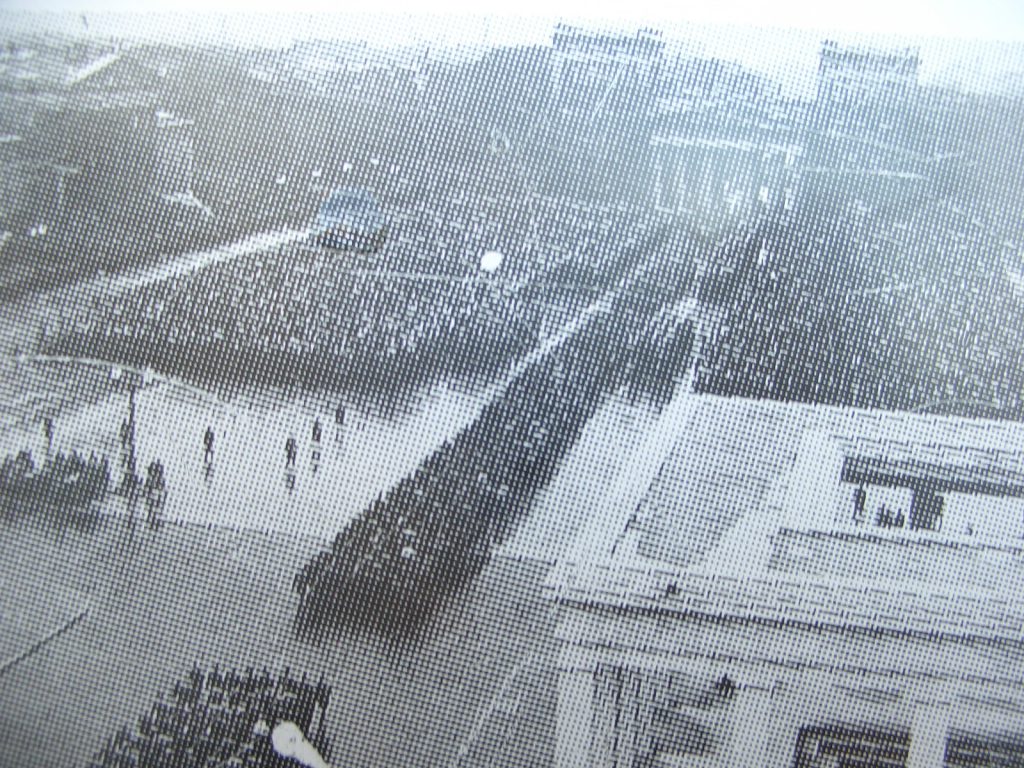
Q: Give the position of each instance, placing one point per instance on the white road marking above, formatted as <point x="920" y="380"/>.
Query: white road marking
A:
<point x="500" y="699"/>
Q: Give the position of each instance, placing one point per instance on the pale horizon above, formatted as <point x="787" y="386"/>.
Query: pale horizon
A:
<point x="787" y="55"/>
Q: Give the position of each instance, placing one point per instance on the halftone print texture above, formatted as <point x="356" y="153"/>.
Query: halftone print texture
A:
<point x="559" y="396"/>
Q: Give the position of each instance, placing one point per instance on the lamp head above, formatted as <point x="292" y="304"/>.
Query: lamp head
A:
<point x="288" y="741"/>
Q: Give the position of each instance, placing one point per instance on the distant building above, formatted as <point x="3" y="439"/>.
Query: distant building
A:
<point x="318" y="64"/>
<point x="593" y="70"/>
<point x="790" y="585"/>
<point x="724" y="177"/>
<point x="724" y="147"/>
<point x="851" y="77"/>
<point x="689" y="82"/>
<point x="598" y="124"/>
<point x="866" y="140"/>
<point x="85" y="132"/>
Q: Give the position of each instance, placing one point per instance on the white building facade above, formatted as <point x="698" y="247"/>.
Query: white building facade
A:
<point x="743" y="617"/>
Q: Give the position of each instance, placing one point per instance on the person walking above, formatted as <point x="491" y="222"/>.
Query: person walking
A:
<point x="290" y="451"/>
<point x="317" y="432"/>
<point x="208" y="443"/>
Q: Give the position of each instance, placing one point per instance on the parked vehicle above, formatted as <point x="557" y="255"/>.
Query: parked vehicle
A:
<point x="351" y="219"/>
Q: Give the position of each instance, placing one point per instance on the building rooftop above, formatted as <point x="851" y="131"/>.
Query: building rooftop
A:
<point x="746" y="509"/>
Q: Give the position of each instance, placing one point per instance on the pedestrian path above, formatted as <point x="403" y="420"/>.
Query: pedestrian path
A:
<point x="583" y="482"/>
<point x="619" y="503"/>
<point x="248" y="481"/>
<point x="261" y="242"/>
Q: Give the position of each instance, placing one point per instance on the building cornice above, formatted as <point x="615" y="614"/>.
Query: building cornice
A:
<point x="908" y="609"/>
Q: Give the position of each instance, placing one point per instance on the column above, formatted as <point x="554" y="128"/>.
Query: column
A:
<point x="607" y="717"/>
<point x="751" y="724"/>
<point x="928" y="733"/>
<point x="678" y="189"/>
<point x="575" y="711"/>
<point x="659" y="177"/>
<point x="635" y="710"/>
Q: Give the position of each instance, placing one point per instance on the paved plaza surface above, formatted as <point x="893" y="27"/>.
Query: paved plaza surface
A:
<point x="122" y="612"/>
<point x="480" y="690"/>
<point x="143" y="631"/>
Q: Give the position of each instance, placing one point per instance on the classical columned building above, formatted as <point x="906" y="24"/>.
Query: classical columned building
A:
<point x="789" y="585"/>
<point x="724" y="145"/>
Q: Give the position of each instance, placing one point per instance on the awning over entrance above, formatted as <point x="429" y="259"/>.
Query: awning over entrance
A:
<point x="936" y="478"/>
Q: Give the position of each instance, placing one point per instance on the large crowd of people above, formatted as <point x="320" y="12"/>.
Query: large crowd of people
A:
<point x="661" y="354"/>
<point x="59" y="492"/>
<point x="312" y="320"/>
<point x="403" y="558"/>
<point x="866" y="312"/>
<point x="216" y="718"/>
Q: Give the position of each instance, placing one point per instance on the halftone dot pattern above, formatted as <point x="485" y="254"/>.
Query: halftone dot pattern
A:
<point x="435" y="391"/>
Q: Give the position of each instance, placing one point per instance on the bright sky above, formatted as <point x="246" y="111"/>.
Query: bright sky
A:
<point x="957" y="38"/>
<point x="986" y="19"/>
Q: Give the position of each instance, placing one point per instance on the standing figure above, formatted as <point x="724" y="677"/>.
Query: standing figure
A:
<point x="339" y="415"/>
<point x="859" y="500"/>
<point x="725" y="687"/>
<point x="155" y="492"/>
<point x="208" y="443"/>
<point x="290" y="451"/>
<point x="317" y="434"/>
<point x="48" y="432"/>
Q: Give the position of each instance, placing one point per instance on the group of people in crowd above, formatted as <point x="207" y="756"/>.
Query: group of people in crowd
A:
<point x="661" y="354"/>
<point x="884" y="515"/>
<point x="214" y="718"/>
<point x="432" y="533"/>
<point x="336" y="327"/>
<point x="403" y="558"/>
<point x="860" y="311"/>
<point x="59" y="492"/>
<point x="446" y="235"/>
<point x="313" y="320"/>
<point x="64" y="488"/>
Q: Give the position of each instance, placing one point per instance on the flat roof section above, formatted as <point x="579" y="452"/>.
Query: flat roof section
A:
<point x="734" y="523"/>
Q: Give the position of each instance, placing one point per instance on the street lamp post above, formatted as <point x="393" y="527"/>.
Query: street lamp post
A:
<point x="132" y="379"/>
<point x="131" y="428"/>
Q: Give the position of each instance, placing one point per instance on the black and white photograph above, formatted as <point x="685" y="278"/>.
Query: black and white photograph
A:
<point x="495" y="387"/>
